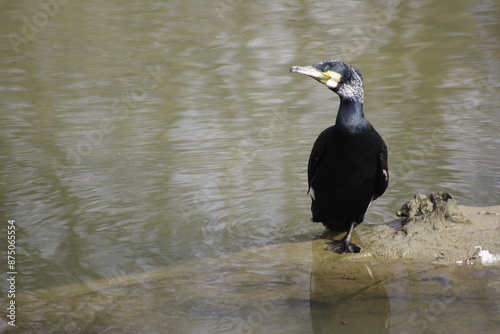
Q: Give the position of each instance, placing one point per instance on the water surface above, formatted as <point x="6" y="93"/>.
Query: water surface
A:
<point x="140" y="135"/>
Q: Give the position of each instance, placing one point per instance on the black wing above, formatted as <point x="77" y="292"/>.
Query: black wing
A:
<point x="382" y="173"/>
<point x="317" y="154"/>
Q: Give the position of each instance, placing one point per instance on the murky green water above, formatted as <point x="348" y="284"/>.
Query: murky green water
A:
<point x="138" y="135"/>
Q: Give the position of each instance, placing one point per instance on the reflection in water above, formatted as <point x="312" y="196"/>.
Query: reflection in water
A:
<point x="347" y="296"/>
<point x="286" y="288"/>
<point x="381" y="296"/>
<point x="260" y="290"/>
<point x="443" y="299"/>
<point x="213" y="159"/>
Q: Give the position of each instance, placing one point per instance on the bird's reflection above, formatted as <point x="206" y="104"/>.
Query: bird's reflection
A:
<point x="346" y="296"/>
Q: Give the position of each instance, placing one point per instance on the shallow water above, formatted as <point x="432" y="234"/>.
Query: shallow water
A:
<point x="294" y="287"/>
<point x="136" y="136"/>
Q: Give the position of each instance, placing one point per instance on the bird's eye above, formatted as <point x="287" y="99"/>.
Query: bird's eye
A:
<point x="325" y="69"/>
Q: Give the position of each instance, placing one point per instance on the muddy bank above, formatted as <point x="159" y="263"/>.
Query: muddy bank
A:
<point x="405" y="278"/>
<point x="436" y="241"/>
<point x="447" y="243"/>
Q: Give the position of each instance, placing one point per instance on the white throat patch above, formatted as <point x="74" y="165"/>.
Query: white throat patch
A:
<point x="334" y="79"/>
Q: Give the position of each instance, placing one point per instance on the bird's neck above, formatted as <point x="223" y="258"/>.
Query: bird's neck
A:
<point x="350" y="115"/>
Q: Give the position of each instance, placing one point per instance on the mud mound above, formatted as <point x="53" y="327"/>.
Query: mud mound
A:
<point x="429" y="213"/>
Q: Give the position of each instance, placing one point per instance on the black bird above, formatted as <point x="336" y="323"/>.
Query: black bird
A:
<point x="348" y="164"/>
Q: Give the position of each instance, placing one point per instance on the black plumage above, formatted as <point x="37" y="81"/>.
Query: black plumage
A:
<point x="348" y="164"/>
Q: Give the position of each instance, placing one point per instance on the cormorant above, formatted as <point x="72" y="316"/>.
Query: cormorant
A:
<point x="348" y="164"/>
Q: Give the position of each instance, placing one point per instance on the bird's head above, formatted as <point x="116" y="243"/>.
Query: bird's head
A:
<point x="343" y="79"/>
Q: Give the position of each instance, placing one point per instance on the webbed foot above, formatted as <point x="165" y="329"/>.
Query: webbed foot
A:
<point x="343" y="246"/>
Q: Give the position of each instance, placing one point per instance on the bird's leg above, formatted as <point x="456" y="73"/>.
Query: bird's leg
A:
<point x="344" y="245"/>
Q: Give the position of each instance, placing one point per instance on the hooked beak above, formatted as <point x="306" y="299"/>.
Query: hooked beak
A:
<point x="329" y="78"/>
<point x="311" y="72"/>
